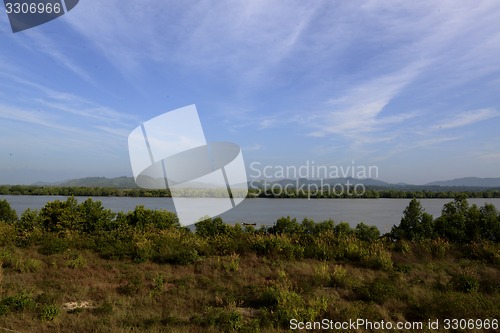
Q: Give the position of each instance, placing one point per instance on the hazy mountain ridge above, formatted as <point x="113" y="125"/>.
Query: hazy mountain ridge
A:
<point x="468" y="181"/>
<point x="128" y="182"/>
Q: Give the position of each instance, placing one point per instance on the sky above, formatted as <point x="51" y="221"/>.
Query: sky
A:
<point x="409" y="87"/>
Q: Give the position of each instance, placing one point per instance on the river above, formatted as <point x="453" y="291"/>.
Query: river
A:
<point x="383" y="213"/>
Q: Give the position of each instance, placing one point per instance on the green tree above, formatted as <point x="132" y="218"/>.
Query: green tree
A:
<point x="366" y="232"/>
<point x="59" y="216"/>
<point x="96" y="217"/>
<point x="7" y="213"/>
<point x="286" y="225"/>
<point x="212" y="227"/>
<point x="415" y="223"/>
<point x="452" y="224"/>
<point x="161" y="219"/>
<point x="489" y="222"/>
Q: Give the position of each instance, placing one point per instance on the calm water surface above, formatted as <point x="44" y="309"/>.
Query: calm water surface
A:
<point x="382" y="213"/>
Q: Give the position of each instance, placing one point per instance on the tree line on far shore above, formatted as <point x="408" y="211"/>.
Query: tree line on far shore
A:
<point x="368" y="193"/>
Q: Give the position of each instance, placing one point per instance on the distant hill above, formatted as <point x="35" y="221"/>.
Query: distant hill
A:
<point x="118" y="182"/>
<point x="469" y="182"/>
<point x="325" y="182"/>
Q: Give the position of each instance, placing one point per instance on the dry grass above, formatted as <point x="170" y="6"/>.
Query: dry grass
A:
<point x="215" y="294"/>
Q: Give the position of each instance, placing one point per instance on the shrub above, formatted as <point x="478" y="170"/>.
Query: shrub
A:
<point x="106" y="308"/>
<point x="7" y="213"/>
<point x="322" y="273"/>
<point x="212" y="227"/>
<point x="4" y="309"/>
<point x="60" y="216"/>
<point x="132" y="286"/>
<point x="7" y="233"/>
<point x="339" y="277"/>
<point x="77" y="261"/>
<point x="415" y="223"/>
<point x="465" y="282"/>
<point x="377" y="257"/>
<point x="378" y="291"/>
<point x="402" y="246"/>
<point x="232" y="263"/>
<point x="439" y="247"/>
<point x="226" y="320"/>
<point x="158" y="284"/>
<point x="343" y="228"/>
<point x="286" y="225"/>
<point x="284" y="303"/>
<point x="19" y="302"/>
<point x="28" y="228"/>
<point x="114" y="244"/>
<point x="169" y="248"/>
<point x="367" y="233"/>
<point x="30" y="265"/>
<point x="52" y="244"/>
<point x="161" y="219"/>
<point x="277" y="245"/>
<point x="49" y="312"/>
<point x="96" y="217"/>
<point x="452" y="224"/>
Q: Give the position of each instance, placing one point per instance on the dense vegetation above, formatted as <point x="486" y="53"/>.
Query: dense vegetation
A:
<point x="370" y="192"/>
<point x="80" y="267"/>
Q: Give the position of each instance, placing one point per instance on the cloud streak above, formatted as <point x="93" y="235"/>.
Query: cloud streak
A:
<point x="359" y="110"/>
<point x="468" y="118"/>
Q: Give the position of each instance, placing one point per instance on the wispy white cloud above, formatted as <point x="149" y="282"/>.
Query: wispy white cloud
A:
<point x="240" y="40"/>
<point x="359" y="110"/>
<point x="42" y="97"/>
<point x="30" y="116"/>
<point x="46" y="45"/>
<point x="468" y="118"/>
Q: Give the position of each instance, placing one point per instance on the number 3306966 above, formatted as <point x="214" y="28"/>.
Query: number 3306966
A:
<point x="32" y="8"/>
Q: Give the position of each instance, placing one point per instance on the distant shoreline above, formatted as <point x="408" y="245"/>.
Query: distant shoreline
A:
<point x="291" y="193"/>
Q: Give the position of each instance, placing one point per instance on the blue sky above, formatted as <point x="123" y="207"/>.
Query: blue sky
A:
<point x="412" y="88"/>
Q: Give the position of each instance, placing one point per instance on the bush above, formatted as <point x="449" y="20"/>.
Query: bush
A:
<point x="339" y="277"/>
<point x="28" y="228"/>
<point x="161" y="219"/>
<point x="286" y="225"/>
<point x="29" y="265"/>
<point x="49" y="312"/>
<point x="212" y="227"/>
<point x="114" y="244"/>
<point x="283" y="303"/>
<point x="277" y="245"/>
<point x="7" y="213"/>
<point x="19" y="302"/>
<point x="105" y="309"/>
<point x="343" y="228"/>
<point x="60" y="216"/>
<point x="286" y="304"/>
<point x="7" y="234"/>
<point x="415" y="224"/>
<point x="367" y="233"/>
<point x="52" y="244"/>
<point x="77" y="261"/>
<point x="377" y="257"/>
<point x="96" y="217"/>
<point x="174" y="251"/>
<point x="378" y="291"/>
<point x="465" y="282"/>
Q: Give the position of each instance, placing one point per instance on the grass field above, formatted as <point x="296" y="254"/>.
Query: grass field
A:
<point x="59" y="273"/>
